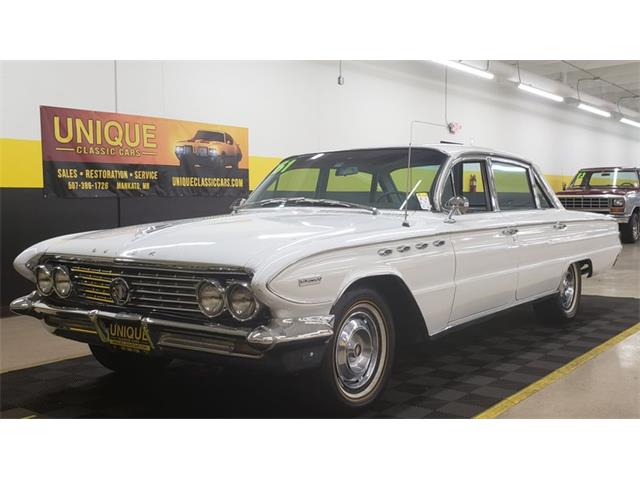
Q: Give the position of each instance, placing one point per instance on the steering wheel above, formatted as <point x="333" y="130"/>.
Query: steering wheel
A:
<point x="627" y="184"/>
<point x="387" y="194"/>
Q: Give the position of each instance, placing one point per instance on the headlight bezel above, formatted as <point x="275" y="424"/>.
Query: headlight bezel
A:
<point x="233" y="287"/>
<point x="217" y="287"/>
<point x="47" y="271"/>
<point x="65" y="271"/>
<point x="618" y="202"/>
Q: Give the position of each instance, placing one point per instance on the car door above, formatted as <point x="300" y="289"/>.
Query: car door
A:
<point x="535" y="222"/>
<point x="486" y="263"/>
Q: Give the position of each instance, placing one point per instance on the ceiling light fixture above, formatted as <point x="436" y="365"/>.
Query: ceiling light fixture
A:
<point x="466" y="68"/>
<point x="597" y="111"/>
<point x="630" y="122"/>
<point x="540" y="93"/>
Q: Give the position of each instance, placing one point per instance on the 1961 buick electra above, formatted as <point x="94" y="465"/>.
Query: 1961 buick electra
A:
<point x="328" y="266"/>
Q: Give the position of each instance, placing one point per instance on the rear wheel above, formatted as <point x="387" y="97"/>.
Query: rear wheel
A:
<point x="360" y="355"/>
<point x="127" y="362"/>
<point x="631" y="230"/>
<point x="563" y="305"/>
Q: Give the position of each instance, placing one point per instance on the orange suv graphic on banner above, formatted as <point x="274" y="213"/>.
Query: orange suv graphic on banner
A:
<point x="95" y="154"/>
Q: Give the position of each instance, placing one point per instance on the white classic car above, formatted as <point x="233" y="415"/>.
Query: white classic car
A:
<point x="327" y="266"/>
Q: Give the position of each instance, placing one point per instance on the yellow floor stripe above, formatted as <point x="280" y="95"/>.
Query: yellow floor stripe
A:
<point x="509" y="402"/>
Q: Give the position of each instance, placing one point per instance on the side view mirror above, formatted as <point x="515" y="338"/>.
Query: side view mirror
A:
<point x="456" y="206"/>
<point x="237" y="203"/>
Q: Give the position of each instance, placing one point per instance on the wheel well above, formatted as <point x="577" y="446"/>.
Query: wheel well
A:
<point x="407" y="317"/>
<point x="586" y="268"/>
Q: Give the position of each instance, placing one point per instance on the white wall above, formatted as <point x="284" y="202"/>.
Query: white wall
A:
<point x="294" y="107"/>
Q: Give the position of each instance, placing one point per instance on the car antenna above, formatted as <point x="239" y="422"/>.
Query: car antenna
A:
<point x="405" y="223"/>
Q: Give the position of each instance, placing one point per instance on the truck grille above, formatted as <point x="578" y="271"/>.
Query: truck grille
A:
<point x="152" y="288"/>
<point x="585" y="203"/>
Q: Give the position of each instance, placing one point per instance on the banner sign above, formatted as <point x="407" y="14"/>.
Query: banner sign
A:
<point x="99" y="154"/>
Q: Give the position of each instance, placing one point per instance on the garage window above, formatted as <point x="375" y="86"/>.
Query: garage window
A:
<point x="512" y="187"/>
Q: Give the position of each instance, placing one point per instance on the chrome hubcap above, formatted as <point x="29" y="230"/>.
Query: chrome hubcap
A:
<point x="636" y="229"/>
<point x="568" y="289"/>
<point x="357" y="350"/>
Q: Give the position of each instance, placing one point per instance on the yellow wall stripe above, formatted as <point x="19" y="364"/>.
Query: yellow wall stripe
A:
<point x="509" y="402"/>
<point x="20" y="163"/>
<point x="21" y="166"/>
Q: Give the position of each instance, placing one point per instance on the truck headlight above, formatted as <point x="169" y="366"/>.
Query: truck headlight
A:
<point x="213" y="152"/>
<point x="62" y="282"/>
<point x="44" y="281"/>
<point x="241" y="302"/>
<point x="618" y="202"/>
<point x="210" y="296"/>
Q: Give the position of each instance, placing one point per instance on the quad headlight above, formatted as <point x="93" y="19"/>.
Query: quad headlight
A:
<point x="210" y="296"/>
<point x="213" y="152"/>
<point x="44" y="280"/>
<point x="618" y="202"/>
<point x="62" y="282"/>
<point x="241" y="302"/>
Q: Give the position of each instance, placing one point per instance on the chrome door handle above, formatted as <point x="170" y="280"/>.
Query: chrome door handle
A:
<point x="510" y="231"/>
<point x="559" y="226"/>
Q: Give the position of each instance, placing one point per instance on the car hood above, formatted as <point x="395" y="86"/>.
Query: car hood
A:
<point x="245" y="239"/>
<point x="596" y="191"/>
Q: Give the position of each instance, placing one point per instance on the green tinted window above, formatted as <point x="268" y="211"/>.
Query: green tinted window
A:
<point x="357" y="182"/>
<point x="296" y="180"/>
<point x="512" y="187"/>
<point x="426" y="173"/>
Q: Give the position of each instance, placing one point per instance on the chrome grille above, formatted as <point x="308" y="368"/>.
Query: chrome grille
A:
<point x="152" y="288"/>
<point x="187" y="149"/>
<point x="203" y="151"/>
<point x="585" y="203"/>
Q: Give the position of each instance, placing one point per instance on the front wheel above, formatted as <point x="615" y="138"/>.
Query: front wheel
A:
<point x="126" y="362"/>
<point x="360" y="354"/>
<point x="631" y="229"/>
<point x="563" y="305"/>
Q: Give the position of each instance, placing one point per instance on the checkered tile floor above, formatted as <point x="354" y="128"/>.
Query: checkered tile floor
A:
<point x="457" y="376"/>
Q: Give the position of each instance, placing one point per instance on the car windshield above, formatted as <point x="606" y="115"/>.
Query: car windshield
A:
<point x="612" y="178"/>
<point x="209" y="136"/>
<point x="372" y="178"/>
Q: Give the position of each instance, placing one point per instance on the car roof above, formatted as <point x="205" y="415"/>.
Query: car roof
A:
<point x="596" y="169"/>
<point x="449" y="149"/>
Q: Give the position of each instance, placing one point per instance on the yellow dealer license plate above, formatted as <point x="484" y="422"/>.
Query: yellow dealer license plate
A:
<point x="129" y="336"/>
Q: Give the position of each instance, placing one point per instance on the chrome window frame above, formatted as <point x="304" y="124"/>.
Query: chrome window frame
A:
<point x="447" y="172"/>
<point x="532" y="172"/>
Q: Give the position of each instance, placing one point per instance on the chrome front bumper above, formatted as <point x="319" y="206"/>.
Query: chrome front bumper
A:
<point x="622" y="218"/>
<point x="171" y="336"/>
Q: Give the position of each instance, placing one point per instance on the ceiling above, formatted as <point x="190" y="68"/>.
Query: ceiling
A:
<point x="623" y="74"/>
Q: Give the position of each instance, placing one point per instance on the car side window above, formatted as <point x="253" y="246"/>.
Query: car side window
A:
<point x="469" y="181"/>
<point x="513" y="188"/>
<point x="229" y="139"/>
<point x="542" y="196"/>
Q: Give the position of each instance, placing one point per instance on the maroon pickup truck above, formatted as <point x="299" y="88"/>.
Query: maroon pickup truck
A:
<point x="613" y="191"/>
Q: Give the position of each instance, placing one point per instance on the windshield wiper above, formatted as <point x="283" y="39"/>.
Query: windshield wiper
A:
<point x="267" y="201"/>
<point x="332" y="203"/>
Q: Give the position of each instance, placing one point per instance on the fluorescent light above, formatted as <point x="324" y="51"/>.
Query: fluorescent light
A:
<point x="597" y="111"/>
<point x="540" y="93"/>
<point x="466" y="68"/>
<point x="630" y="122"/>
